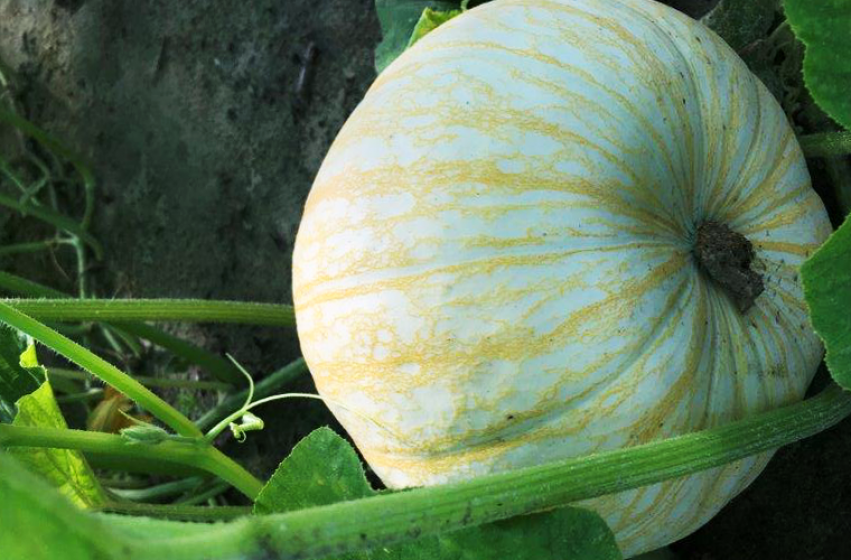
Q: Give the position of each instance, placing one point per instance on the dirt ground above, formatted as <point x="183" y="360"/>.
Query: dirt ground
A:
<point x="205" y="140"/>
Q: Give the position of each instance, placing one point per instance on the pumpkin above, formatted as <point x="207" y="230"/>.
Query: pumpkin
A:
<point x="500" y="264"/>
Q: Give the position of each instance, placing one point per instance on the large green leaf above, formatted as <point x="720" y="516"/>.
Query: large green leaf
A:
<point x="36" y="523"/>
<point x="398" y="19"/>
<point x="825" y="28"/>
<point x="564" y="534"/>
<point x="827" y="288"/>
<point x="772" y="53"/>
<point x="15" y="379"/>
<point x="64" y="469"/>
<point x="323" y="469"/>
<point x="742" y="22"/>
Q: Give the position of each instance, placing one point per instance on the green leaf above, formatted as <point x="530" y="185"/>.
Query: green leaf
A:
<point x="742" y="22"/>
<point x="398" y="19"/>
<point x="39" y="524"/>
<point x="746" y="25"/>
<point x="64" y="469"/>
<point x="16" y="380"/>
<point x="827" y="289"/>
<point x="825" y="28"/>
<point x="563" y="534"/>
<point x="323" y="469"/>
<point x="429" y="21"/>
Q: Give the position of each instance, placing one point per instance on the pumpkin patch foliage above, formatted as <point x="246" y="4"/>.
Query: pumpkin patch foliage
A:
<point x="564" y="278"/>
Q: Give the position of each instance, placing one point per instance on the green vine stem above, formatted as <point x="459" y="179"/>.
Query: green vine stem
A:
<point x="839" y="172"/>
<point x="140" y="465"/>
<point x="49" y="142"/>
<point x="205" y="496"/>
<point x="123" y="482"/>
<point x="17" y="285"/>
<point x="826" y="144"/>
<point x="184" y="310"/>
<point x="100" y="368"/>
<point x="185" y="451"/>
<point x="216" y="365"/>
<point x="55" y="219"/>
<point x="32" y="247"/>
<point x="323" y="531"/>
<point x="220" y="368"/>
<point x="83" y="396"/>
<point x="159" y="382"/>
<point x="178" y="512"/>
<point x="159" y="491"/>
<point x="263" y="388"/>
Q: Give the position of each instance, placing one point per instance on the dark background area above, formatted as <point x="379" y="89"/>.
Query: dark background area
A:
<point x="205" y="145"/>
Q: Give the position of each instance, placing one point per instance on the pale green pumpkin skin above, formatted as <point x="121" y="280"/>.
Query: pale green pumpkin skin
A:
<point x="495" y="261"/>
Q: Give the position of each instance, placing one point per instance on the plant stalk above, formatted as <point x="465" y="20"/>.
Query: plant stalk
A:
<point x="32" y="247"/>
<point x="178" y="512"/>
<point x="218" y="366"/>
<point x="350" y="526"/>
<point x="55" y="219"/>
<point x="149" y="381"/>
<point x="154" y="493"/>
<point x="263" y="388"/>
<point x="100" y="368"/>
<point x="184" y="310"/>
<point x="58" y="149"/>
<point x="194" y="453"/>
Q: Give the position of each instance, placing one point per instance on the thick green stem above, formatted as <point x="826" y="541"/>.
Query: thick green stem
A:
<point x="149" y="381"/>
<point x="178" y="512"/>
<point x="195" y="453"/>
<point x="140" y="465"/>
<point x="100" y="368"/>
<point x="826" y="144"/>
<point x="185" y="310"/>
<point x="343" y="527"/>
<point x="218" y="366"/>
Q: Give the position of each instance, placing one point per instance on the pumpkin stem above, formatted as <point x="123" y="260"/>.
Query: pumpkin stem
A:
<point x="726" y="257"/>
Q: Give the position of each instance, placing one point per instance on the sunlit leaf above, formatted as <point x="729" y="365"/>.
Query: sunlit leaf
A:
<point x="36" y="523"/>
<point x="66" y="470"/>
<point x="16" y="380"/>
<point x="429" y="21"/>
<point x="398" y="19"/>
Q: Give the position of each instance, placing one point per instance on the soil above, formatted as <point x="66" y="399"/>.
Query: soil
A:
<point x="205" y="123"/>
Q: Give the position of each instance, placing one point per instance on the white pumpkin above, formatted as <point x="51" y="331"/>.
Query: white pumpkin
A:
<point x="496" y="261"/>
